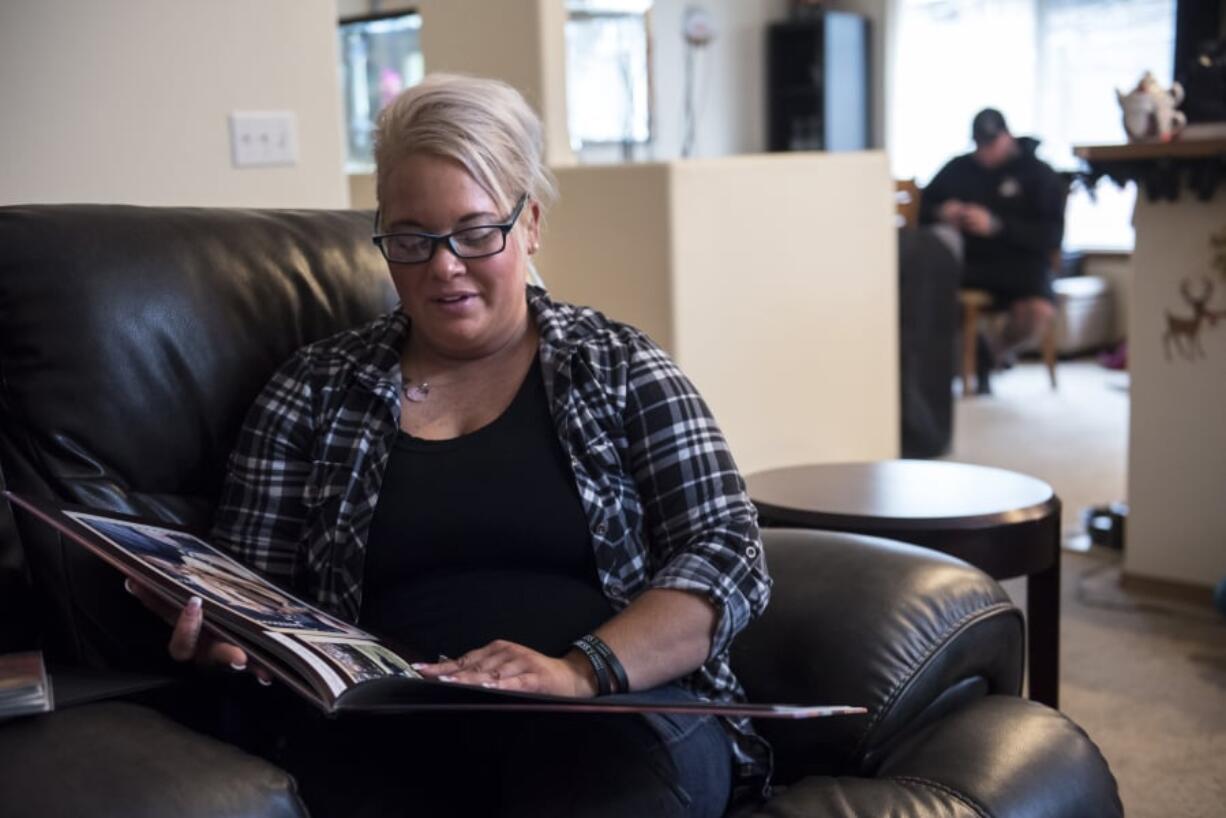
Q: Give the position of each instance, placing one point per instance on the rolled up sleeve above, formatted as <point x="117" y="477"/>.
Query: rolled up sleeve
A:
<point x="701" y="526"/>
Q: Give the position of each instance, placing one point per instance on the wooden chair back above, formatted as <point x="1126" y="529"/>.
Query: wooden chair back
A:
<point x="907" y="202"/>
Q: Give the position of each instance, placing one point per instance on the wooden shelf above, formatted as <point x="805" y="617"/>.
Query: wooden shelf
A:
<point x="1142" y="151"/>
<point x="1162" y="169"/>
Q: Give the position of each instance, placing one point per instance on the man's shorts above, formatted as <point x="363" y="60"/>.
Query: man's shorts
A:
<point x="1008" y="286"/>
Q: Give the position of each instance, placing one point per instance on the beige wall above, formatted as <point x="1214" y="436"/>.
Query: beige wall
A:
<point x="1177" y="431"/>
<point x="787" y="303"/>
<point x="127" y="101"/>
<point x="771" y="279"/>
<point x="362" y="191"/>
<point x="608" y="243"/>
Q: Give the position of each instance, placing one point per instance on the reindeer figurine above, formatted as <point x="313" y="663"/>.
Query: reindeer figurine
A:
<point x="1185" y="332"/>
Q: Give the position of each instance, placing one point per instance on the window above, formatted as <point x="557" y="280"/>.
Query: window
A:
<point x="380" y="57"/>
<point x="607" y="74"/>
<point x="1051" y="66"/>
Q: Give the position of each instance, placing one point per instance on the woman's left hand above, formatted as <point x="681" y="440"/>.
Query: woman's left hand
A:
<point x="506" y="665"/>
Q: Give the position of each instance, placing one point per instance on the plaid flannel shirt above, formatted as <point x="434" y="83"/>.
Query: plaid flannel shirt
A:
<point x="665" y="503"/>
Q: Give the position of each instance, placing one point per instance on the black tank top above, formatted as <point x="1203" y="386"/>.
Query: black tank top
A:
<point x="483" y="537"/>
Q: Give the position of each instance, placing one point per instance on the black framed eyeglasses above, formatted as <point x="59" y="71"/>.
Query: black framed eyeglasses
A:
<point x="478" y="241"/>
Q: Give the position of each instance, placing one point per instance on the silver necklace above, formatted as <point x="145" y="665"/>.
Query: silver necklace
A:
<point x="415" y="392"/>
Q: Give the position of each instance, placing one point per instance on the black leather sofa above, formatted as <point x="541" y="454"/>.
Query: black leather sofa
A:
<point x="131" y="342"/>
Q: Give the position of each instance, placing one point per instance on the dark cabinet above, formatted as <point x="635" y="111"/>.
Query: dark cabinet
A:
<point x="818" y="95"/>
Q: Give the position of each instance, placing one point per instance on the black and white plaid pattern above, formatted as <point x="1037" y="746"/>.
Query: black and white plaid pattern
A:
<point x="665" y="503"/>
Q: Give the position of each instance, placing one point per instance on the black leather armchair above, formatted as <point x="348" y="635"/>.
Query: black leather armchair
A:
<point x="132" y="341"/>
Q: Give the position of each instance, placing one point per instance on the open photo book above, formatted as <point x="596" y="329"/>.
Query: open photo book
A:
<point x="333" y="664"/>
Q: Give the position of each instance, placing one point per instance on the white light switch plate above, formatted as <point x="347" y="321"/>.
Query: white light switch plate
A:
<point x="263" y="138"/>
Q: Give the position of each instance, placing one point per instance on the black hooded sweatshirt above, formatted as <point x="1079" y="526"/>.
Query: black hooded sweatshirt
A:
<point x="1027" y="199"/>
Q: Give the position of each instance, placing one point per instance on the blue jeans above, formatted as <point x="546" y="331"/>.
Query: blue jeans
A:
<point x="505" y="764"/>
<point x="653" y="764"/>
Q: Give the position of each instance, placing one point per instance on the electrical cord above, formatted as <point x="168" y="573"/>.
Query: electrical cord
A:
<point x="698" y="29"/>
<point x="687" y="138"/>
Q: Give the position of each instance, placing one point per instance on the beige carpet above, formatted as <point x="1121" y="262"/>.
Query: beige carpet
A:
<point x="1145" y="677"/>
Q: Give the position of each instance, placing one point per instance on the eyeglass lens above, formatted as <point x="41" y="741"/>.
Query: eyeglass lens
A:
<point x="473" y="242"/>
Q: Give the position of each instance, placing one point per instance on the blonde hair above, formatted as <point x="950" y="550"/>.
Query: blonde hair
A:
<point x="485" y="125"/>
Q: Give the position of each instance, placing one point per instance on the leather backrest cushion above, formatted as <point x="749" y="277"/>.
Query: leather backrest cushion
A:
<point x="134" y="339"/>
<point x="17" y="630"/>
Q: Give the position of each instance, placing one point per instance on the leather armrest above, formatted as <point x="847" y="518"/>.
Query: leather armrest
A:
<point x="822" y="796"/>
<point x="1000" y="756"/>
<point x="118" y="759"/>
<point x="905" y="631"/>
<point x="1010" y="756"/>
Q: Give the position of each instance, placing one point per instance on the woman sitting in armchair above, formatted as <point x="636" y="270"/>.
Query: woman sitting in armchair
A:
<point x="522" y="484"/>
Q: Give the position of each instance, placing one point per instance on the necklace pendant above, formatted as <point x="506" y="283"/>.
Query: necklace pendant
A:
<point x="417" y="392"/>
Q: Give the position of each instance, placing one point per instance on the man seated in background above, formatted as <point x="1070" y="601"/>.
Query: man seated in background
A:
<point x="1009" y="207"/>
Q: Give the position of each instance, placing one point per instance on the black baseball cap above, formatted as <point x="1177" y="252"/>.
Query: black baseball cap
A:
<point x="987" y="125"/>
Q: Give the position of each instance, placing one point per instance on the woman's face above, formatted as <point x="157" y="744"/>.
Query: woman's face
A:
<point x="460" y="308"/>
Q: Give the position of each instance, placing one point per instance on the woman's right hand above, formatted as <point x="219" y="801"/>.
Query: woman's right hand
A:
<point x="188" y="640"/>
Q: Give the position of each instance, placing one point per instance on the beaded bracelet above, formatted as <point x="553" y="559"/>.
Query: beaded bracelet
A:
<point x="603" y="686"/>
<point x="610" y="659"/>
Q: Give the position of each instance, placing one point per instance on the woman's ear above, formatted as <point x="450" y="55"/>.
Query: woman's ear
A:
<point x="532" y="228"/>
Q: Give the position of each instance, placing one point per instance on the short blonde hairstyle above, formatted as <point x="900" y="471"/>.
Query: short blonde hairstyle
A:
<point x="485" y="125"/>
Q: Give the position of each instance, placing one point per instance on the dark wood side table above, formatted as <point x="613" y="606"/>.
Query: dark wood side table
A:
<point x="1004" y="523"/>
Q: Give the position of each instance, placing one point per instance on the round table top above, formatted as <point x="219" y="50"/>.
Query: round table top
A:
<point x="918" y="493"/>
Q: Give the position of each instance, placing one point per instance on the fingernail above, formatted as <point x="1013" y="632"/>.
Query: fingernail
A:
<point x="127" y="586"/>
<point x="194" y="604"/>
<point x="264" y="682"/>
<point x="419" y="665"/>
<point x="446" y="678"/>
<point x="238" y="665"/>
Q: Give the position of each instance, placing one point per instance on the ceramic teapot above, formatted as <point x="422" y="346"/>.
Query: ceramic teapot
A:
<point x="1150" y="112"/>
